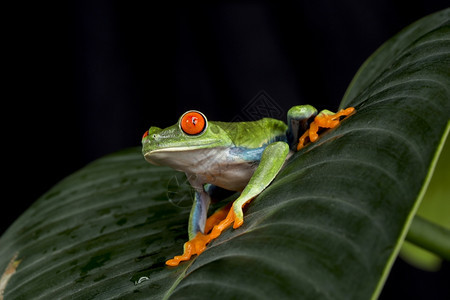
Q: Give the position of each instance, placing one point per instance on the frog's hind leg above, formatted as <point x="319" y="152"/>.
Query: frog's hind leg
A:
<point x="197" y="221"/>
<point x="199" y="210"/>
<point x="197" y="245"/>
<point x="325" y="119"/>
<point x="298" y="118"/>
<point x="199" y="225"/>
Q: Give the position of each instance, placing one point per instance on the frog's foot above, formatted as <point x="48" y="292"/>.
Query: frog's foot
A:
<point x="198" y="244"/>
<point x="324" y="119"/>
<point x="235" y="216"/>
<point x="217" y="217"/>
<point x="193" y="247"/>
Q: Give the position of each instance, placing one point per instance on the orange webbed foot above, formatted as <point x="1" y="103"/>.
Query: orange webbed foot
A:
<point x="323" y="120"/>
<point x="225" y="223"/>
<point x="198" y="244"/>
<point x="193" y="247"/>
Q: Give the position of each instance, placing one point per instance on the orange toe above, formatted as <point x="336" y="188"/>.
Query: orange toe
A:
<point x="224" y="224"/>
<point x="237" y="222"/>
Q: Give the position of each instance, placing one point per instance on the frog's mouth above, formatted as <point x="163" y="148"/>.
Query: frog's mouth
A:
<point x="167" y="156"/>
<point x="163" y="156"/>
<point x="180" y="158"/>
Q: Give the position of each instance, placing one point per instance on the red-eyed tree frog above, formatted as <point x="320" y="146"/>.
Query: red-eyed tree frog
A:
<point x="237" y="156"/>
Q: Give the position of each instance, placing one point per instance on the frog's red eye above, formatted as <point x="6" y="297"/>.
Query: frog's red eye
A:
<point x="193" y="122"/>
<point x="145" y="135"/>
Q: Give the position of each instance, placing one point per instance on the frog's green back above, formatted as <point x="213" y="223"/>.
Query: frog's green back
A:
<point x="254" y="134"/>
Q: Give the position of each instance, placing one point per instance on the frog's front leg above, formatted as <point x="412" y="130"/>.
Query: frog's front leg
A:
<point x="271" y="162"/>
<point x="325" y="119"/>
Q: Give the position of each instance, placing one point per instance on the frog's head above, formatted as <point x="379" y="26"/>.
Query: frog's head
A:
<point x="193" y="132"/>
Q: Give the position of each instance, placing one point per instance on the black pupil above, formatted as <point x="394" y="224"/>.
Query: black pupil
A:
<point x="194" y="120"/>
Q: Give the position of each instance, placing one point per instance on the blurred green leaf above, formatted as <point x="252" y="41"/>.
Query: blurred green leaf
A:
<point x="435" y="207"/>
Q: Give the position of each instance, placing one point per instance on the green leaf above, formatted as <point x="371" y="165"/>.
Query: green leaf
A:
<point x="329" y="226"/>
<point x="89" y="234"/>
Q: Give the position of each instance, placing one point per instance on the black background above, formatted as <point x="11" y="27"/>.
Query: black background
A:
<point x="87" y="78"/>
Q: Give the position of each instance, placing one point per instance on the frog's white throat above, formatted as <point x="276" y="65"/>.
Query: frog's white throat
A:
<point x="216" y="165"/>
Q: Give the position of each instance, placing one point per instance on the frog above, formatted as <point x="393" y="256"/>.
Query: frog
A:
<point x="243" y="157"/>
